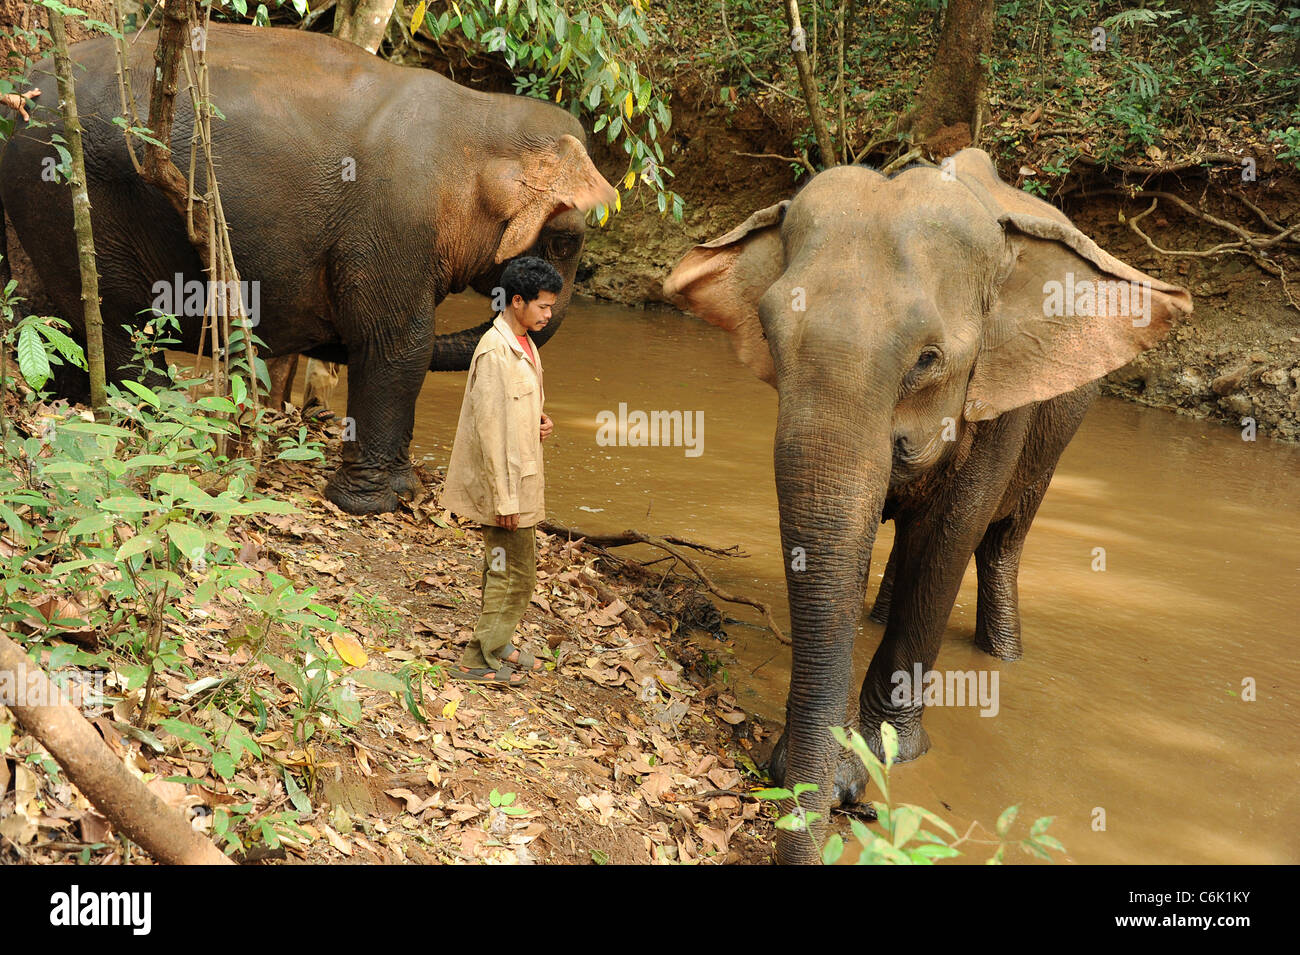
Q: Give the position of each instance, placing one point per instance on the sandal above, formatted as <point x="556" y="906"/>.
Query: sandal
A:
<point x="502" y="675"/>
<point x="524" y="660"/>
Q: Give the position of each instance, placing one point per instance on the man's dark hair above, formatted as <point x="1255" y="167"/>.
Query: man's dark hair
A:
<point x="529" y="276"/>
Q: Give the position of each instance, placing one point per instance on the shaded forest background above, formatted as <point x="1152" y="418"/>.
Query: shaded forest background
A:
<point x="1194" y="104"/>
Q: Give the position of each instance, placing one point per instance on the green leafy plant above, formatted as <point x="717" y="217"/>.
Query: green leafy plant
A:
<point x="906" y="839"/>
<point x="584" y="54"/>
<point x="136" y="510"/>
<point x="505" y="802"/>
<point x="1289" y="139"/>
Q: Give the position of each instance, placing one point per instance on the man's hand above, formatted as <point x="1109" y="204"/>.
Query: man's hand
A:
<point x="509" y="521"/>
<point x="547" y="427"/>
<point x="19" y="102"/>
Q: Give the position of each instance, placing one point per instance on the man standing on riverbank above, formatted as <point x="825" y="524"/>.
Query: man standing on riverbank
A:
<point x="495" y="473"/>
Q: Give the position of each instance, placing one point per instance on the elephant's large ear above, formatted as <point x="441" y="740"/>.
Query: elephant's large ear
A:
<point x="1065" y="312"/>
<point x="722" y="280"/>
<point x="529" y="189"/>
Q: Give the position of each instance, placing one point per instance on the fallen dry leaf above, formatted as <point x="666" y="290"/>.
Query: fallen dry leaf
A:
<point x="94" y="828"/>
<point x="350" y="650"/>
<point x="608" y="616"/>
<point x="337" y="841"/>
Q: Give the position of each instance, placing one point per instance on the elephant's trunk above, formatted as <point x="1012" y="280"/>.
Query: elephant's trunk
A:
<point x="453" y="352"/>
<point x="832" y="472"/>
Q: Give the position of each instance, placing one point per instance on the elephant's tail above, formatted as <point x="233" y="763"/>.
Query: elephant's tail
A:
<point x="453" y="352"/>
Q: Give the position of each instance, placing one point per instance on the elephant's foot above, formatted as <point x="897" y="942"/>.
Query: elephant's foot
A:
<point x="997" y="633"/>
<point x="999" y="643"/>
<point x="362" y="492"/>
<point x="404" y="482"/>
<point x="913" y="740"/>
<point x="851" y="777"/>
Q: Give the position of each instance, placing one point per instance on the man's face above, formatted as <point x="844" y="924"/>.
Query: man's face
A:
<point x="534" y="315"/>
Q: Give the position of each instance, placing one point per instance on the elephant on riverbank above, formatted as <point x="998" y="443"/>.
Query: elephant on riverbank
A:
<point x="359" y="194"/>
<point x="935" y="338"/>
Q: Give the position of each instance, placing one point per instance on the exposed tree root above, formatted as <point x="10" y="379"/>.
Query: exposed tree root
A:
<point x="674" y="546"/>
<point x="1251" y="244"/>
<point x="124" y="800"/>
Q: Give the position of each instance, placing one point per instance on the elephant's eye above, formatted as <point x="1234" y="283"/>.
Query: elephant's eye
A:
<point x="927" y="359"/>
<point x="563" y="246"/>
<point x="926" y="364"/>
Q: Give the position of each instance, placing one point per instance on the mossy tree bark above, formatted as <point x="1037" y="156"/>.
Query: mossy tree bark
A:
<point x="80" y="210"/>
<point x="808" y="82"/>
<point x="159" y="169"/>
<point x="363" y="22"/>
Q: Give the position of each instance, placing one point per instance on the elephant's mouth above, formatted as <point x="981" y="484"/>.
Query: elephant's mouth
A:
<point x="911" y="459"/>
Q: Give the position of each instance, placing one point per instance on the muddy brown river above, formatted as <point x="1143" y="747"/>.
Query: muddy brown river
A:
<point x="1126" y="719"/>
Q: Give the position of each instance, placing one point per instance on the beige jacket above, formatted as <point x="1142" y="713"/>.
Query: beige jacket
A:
<point x="496" y="458"/>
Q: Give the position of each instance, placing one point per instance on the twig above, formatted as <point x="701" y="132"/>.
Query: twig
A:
<point x="884" y="137"/>
<point x="132" y="808"/>
<point x="1194" y="253"/>
<point x="1238" y="248"/>
<point x="144" y="26"/>
<point x="636" y="537"/>
<point x="668" y="544"/>
<point x="717" y="591"/>
<point x="808" y="83"/>
<point x="903" y="160"/>
<point x="1248" y="238"/>
<point x="1255" y="209"/>
<point x="841" y="86"/>
<point x="22" y="853"/>
<point x="306" y="22"/>
<point x="802" y="159"/>
<point x="714" y="794"/>
<point x="1163" y="168"/>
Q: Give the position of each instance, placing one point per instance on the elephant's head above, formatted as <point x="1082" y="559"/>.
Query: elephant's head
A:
<point x="536" y="198"/>
<point x="893" y="315"/>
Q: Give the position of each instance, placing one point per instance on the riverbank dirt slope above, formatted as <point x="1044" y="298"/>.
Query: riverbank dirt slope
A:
<point x="626" y="749"/>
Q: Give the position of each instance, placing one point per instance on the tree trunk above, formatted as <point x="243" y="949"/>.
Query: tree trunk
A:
<point x="80" y="212"/>
<point x="363" y="22"/>
<point x="955" y="90"/>
<point x="125" y="801"/>
<point x="159" y="169"/>
<point x="808" y="81"/>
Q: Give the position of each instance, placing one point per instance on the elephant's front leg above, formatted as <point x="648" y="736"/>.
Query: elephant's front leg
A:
<point x="914" y="625"/>
<point x="932" y="549"/>
<point x="383" y="385"/>
<point x="849" y="782"/>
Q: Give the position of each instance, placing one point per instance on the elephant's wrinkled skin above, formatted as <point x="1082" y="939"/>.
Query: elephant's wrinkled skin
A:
<point x="448" y="183"/>
<point x="925" y="308"/>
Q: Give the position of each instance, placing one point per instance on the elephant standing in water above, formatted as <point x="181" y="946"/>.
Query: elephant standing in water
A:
<point x="358" y="193"/>
<point x="935" y="338"/>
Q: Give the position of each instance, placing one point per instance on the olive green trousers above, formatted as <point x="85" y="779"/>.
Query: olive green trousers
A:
<point x="509" y="575"/>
